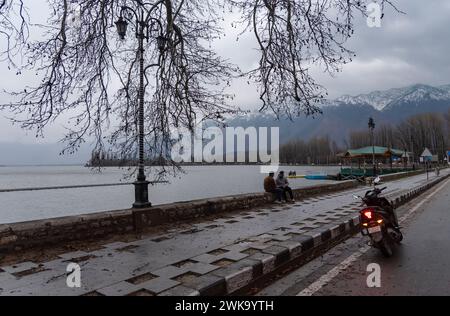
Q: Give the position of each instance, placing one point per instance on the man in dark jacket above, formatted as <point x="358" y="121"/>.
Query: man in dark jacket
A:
<point x="283" y="184"/>
<point x="271" y="187"/>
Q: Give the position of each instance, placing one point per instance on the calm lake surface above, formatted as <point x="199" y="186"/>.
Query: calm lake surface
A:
<point x="196" y="183"/>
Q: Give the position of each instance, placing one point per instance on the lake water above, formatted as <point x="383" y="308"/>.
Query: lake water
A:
<point x="198" y="182"/>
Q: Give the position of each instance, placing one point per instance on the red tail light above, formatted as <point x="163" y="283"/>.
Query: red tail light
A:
<point x="368" y="214"/>
<point x="370" y="218"/>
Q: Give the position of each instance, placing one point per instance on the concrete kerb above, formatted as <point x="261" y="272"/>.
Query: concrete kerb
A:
<point x="280" y="256"/>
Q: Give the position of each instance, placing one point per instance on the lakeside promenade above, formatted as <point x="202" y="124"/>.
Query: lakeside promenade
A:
<point x="204" y="257"/>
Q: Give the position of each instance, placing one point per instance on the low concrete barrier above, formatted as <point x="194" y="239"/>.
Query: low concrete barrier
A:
<point x="401" y="175"/>
<point x="190" y="210"/>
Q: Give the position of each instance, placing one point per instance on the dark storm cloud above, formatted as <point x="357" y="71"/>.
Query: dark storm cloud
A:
<point x="407" y="49"/>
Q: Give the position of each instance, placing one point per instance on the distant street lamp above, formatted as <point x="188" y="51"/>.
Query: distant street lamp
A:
<point x="405" y="160"/>
<point x="144" y="27"/>
<point x="372" y="128"/>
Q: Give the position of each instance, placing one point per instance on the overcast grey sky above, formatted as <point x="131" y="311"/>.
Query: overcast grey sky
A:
<point x="407" y="49"/>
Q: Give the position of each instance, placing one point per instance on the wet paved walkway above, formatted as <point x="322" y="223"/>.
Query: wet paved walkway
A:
<point x="180" y="261"/>
<point x="420" y="266"/>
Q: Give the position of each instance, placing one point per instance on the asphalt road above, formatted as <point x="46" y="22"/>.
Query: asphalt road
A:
<point x="420" y="266"/>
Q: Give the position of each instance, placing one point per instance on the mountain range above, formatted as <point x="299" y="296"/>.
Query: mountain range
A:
<point x="347" y="113"/>
<point x="340" y="116"/>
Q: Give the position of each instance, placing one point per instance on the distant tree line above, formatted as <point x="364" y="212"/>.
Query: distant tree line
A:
<point x="318" y="150"/>
<point x="103" y="158"/>
<point x="428" y="130"/>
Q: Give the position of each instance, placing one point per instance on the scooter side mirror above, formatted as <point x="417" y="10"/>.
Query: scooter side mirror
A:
<point x="356" y="197"/>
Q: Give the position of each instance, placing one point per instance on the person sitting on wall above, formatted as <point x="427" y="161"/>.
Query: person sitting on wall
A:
<point x="283" y="184"/>
<point x="271" y="187"/>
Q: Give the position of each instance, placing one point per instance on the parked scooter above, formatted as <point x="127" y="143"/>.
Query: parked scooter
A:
<point x="379" y="222"/>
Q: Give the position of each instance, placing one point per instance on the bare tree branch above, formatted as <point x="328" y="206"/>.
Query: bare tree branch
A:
<point x="88" y="75"/>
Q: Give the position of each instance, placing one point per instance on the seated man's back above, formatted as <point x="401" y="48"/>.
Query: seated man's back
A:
<point x="269" y="184"/>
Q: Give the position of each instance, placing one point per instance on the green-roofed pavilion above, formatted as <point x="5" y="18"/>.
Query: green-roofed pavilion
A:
<point x="364" y="157"/>
<point x="367" y="153"/>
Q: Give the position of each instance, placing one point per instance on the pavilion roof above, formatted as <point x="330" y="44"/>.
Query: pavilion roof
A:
<point x="367" y="152"/>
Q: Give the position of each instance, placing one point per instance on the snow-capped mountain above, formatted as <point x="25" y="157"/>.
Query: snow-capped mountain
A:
<point x="381" y="100"/>
<point x="348" y="113"/>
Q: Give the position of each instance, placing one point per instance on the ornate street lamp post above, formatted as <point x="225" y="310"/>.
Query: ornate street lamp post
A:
<point x="372" y="128"/>
<point x="144" y="28"/>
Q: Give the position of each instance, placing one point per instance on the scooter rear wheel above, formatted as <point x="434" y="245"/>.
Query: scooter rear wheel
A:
<point x="400" y="238"/>
<point x="385" y="248"/>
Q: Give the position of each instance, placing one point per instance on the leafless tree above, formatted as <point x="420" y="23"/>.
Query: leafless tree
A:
<point x="294" y="35"/>
<point x="384" y="135"/>
<point x="79" y="61"/>
<point x="317" y="150"/>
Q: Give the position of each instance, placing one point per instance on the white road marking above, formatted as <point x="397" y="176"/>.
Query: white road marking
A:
<point x="328" y="277"/>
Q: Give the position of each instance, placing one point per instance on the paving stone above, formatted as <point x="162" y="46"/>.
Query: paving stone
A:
<point x="119" y="289"/>
<point x="322" y="222"/>
<point x="206" y="258"/>
<point x="284" y="230"/>
<point x="158" y="285"/>
<point x="146" y="243"/>
<point x="279" y="232"/>
<point x="20" y="267"/>
<point x="334" y="218"/>
<point x="170" y="272"/>
<point x="208" y="285"/>
<point x="6" y="277"/>
<point x="263" y="237"/>
<point x="73" y="255"/>
<point x="296" y="232"/>
<point x="202" y="268"/>
<point x="239" y="247"/>
<point x="280" y="238"/>
<point x="102" y="252"/>
<point x="180" y="290"/>
<point x="116" y="245"/>
<point x="55" y="264"/>
<point x="260" y="245"/>
<point x="235" y="256"/>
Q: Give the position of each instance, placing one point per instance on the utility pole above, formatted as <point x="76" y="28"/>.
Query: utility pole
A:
<point x="372" y="128"/>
